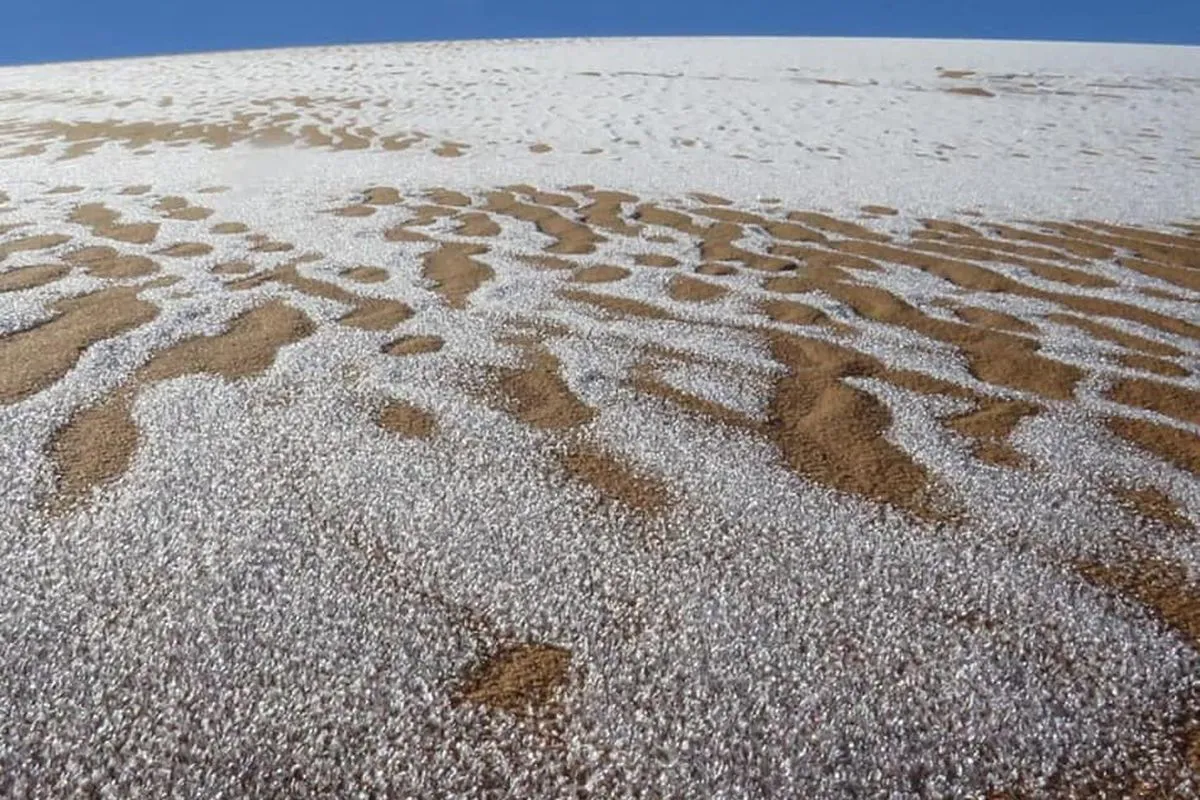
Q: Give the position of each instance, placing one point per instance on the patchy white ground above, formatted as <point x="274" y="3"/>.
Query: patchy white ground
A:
<point x="276" y="595"/>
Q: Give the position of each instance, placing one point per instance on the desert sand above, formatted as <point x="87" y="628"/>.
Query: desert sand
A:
<point x="623" y="418"/>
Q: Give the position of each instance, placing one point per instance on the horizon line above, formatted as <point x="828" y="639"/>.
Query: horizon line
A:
<point x="569" y="37"/>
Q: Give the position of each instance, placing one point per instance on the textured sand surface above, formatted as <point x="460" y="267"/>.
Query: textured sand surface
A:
<point x="623" y="418"/>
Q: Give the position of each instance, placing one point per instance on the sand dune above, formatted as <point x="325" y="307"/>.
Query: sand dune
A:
<point x="352" y="446"/>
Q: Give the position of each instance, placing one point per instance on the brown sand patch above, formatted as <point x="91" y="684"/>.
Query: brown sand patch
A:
<point x="264" y="244"/>
<point x="1176" y="447"/>
<point x="524" y="679"/>
<point x="355" y="211"/>
<point x="571" y="237"/>
<point x="1073" y="277"/>
<point x="367" y="274"/>
<point x="95" y="446"/>
<point x="1108" y="333"/>
<point x="1153" y="504"/>
<point x="105" y="262"/>
<point x="36" y="357"/>
<point x="1148" y="245"/>
<point x="970" y="91"/>
<point x="381" y="196"/>
<point x="711" y="199"/>
<point x="604" y="211"/>
<point x="65" y="190"/>
<point x="85" y="137"/>
<point x="187" y="250"/>
<point x="1163" y="398"/>
<point x="31" y="277"/>
<point x="955" y="73"/>
<point x="817" y="260"/>
<point x="394" y="143"/>
<point x="614" y="480"/>
<point x="1161" y="586"/>
<point x="618" y="307"/>
<point x="1158" y="366"/>
<point x="1050" y="272"/>
<point x="407" y="420"/>
<point x="376" y="314"/>
<point x="103" y="223"/>
<point x="311" y="135"/>
<point x="414" y="345"/>
<point x="246" y="348"/>
<point x="233" y="268"/>
<point x="793" y="313"/>
<point x="686" y="289"/>
<point x="543" y="198"/>
<point x="80" y="149"/>
<point x="996" y="320"/>
<point x="810" y="279"/>
<point x="229" y="227"/>
<point x="250" y="282"/>
<point x="1159" y="294"/>
<point x="992" y="355"/>
<point x="1188" y="241"/>
<point x="976" y="278"/>
<point x="179" y="208"/>
<point x="981" y="244"/>
<point x="736" y="216"/>
<point x="135" y="190"/>
<point x="950" y="227"/>
<point x="788" y="231"/>
<point x="450" y="149"/>
<point x="456" y="273"/>
<point x="214" y="189"/>
<point x="401" y="233"/>
<point x="961" y="273"/>
<point x="717" y="244"/>
<point x="832" y="433"/>
<point x="1076" y="247"/>
<point x="1183" y="277"/>
<point x="880" y="211"/>
<point x="602" y="273"/>
<point x="540" y="147"/>
<point x="477" y="224"/>
<point x="25" y="243"/>
<point x="427" y="215"/>
<point x="828" y="224"/>
<point x="990" y="426"/>
<point x="446" y="197"/>
<point x="715" y="269"/>
<point x="927" y="384"/>
<point x="1098" y="307"/>
<point x="655" y="260"/>
<point x="651" y="214"/>
<point x="546" y="262"/>
<point x="538" y="396"/>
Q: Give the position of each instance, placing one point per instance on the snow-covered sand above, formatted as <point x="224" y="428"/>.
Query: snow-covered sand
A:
<point x="624" y="417"/>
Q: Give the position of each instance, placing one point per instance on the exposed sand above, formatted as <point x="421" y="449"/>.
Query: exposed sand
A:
<point x="549" y="488"/>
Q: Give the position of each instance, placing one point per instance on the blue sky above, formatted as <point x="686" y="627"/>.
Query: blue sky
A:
<point x="57" y="30"/>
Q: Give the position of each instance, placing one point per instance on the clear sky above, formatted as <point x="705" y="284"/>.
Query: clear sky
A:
<point x="57" y="30"/>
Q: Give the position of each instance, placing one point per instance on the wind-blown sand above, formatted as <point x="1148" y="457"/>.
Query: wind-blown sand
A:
<point x="624" y="418"/>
